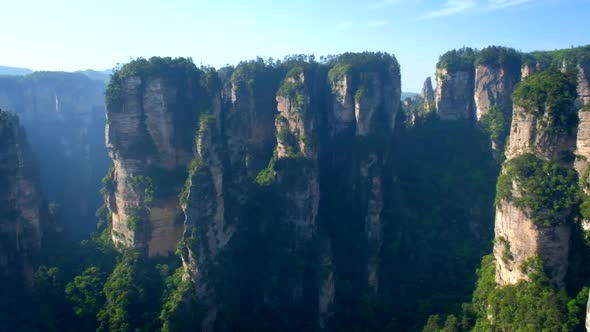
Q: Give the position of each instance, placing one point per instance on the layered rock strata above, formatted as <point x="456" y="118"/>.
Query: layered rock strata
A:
<point x="454" y="94"/>
<point x="152" y="114"/>
<point x="543" y="130"/>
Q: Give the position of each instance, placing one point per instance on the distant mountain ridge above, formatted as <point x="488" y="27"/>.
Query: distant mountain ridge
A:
<point x="406" y="94"/>
<point x="97" y="75"/>
<point x="4" y="70"/>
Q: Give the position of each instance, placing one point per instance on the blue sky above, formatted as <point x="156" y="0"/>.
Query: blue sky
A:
<point x="83" y="34"/>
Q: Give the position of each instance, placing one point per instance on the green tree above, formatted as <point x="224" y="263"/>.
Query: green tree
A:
<point x="85" y="293"/>
<point x="124" y="298"/>
<point x="433" y="324"/>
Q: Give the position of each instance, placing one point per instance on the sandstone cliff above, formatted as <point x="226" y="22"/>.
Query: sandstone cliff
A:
<point x="542" y="128"/>
<point x="583" y="104"/>
<point x="518" y="239"/>
<point x="63" y="114"/>
<point x="297" y="148"/>
<point x="262" y="202"/>
<point x="152" y="115"/>
<point x="428" y="94"/>
<point x="455" y="75"/>
<point x="454" y="94"/>
<point x="494" y="84"/>
<point x="20" y="221"/>
<point x="235" y="141"/>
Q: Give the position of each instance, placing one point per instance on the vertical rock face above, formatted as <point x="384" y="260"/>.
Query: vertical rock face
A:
<point x="260" y="203"/>
<point x="299" y="101"/>
<point x="327" y="285"/>
<point x="518" y="239"/>
<point x="583" y="104"/>
<point x="20" y="222"/>
<point x="151" y="120"/>
<point x="530" y="133"/>
<point x="376" y="93"/>
<point x="541" y="128"/>
<point x="428" y="95"/>
<point x="497" y="72"/>
<point x="583" y="140"/>
<point x="63" y="114"/>
<point x="493" y="87"/>
<point x="532" y="68"/>
<point x="583" y="85"/>
<point x="379" y="96"/>
<point x="235" y="140"/>
<point x="250" y="119"/>
<point x="342" y="116"/>
<point x="207" y="228"/>
<point x="454" y="94"/>
<point x="296" y="126"/>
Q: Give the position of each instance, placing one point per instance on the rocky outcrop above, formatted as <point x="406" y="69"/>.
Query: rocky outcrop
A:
<point x="376" y="95"/>
<point x="297" y="138"/>
<point x="428" y="94"/>
<point x="518" y="239"/>
<point x="531" y="133"/>
<point x="247" y="198"/>
<point x="207" y="228"/>
<point x="64" y="116"/>
<point x="235" y="141"/>
<point x="532" y="68"/>
<point x="493" y="88"/>
<point x="583" y="105"/>
<point x="152" y="114"/>
<point x="454" y="94"/>
<point x="342" y="116"/>
<point x="543" y="130"/>
<point x="20" y="202"/>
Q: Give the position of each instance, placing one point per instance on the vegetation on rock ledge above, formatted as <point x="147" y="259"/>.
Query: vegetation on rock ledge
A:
<point x="551" y="92"/>
<point x="548" y="192"/>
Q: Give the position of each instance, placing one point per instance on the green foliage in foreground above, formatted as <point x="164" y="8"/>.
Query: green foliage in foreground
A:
<point x="548" y="192"/>
<point x="90" y="286"/>
<point x="532" y="305"/>
<point x="176" y="312"/>
<point x="528" y="306"/>
<point x="85" y="293"/>
<point x="134" y="294"/>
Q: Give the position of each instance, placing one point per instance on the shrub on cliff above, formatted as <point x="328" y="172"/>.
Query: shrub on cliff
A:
<point x="548" y="192"/>
<point x="497" y="57"/>
<point x="530" y="305"/>
<point x="458" y="60"/>
<point x="551" y="92"/>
